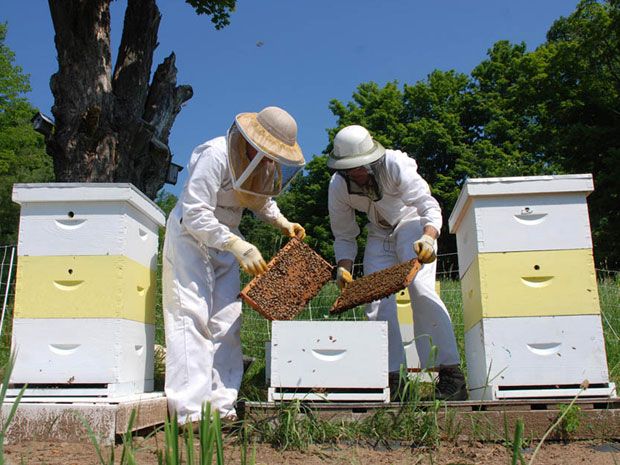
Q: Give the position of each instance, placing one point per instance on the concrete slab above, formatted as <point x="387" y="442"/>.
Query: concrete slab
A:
<point x="63" y="419"/>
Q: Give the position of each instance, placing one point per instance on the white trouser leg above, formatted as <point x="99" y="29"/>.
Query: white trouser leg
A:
<point x="431" y="320"/>
<point x="195" y="287"/>
<point x="380" y="254"/>
<point x="225" y="329"/>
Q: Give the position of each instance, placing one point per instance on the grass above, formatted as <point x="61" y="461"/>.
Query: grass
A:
<point x="296" y="427"/>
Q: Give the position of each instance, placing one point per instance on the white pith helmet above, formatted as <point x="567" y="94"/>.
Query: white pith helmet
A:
<point x="354" y="147"/>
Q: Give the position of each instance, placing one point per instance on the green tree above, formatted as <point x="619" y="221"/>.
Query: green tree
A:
<point x="22" y="150"/>
<point x="580" y="111"/>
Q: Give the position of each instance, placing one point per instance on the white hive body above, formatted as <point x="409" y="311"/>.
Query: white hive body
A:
<point x="529" y="357"/>
<point x="530" y="299"/>
<point x="96" y="356"/>
<point x="85" y="289"/>
<point x="329" y="360"/>
<point x="521" y="214"/>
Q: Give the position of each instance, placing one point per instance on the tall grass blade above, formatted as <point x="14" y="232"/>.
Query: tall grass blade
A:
<point x="127" y="454"/>
<point x="206" y="435"/>
<point x="93" y="438"/>
<point x="171" y="441"/>
<point x="517" y="443"/>
<point x="219" y="444"/>
<point x="8" y="369"/>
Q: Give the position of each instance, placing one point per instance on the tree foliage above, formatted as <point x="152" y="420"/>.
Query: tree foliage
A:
<point x="22" y="152"/>
<point x="552" y="110"/>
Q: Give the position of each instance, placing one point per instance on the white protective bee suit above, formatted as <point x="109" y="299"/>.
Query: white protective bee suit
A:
<point x="394" y="223"/>
<point x="202" y="311"/>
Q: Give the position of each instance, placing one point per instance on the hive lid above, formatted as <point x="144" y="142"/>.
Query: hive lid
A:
<point x="376" y="286"/>
<point x="88" y="192"/>
<point x="517" y="185"/>
<point x="293" y="277"/>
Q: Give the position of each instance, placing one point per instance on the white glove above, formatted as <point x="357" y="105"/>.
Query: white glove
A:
<point x="343" y="277"/>
<point x="289" y="229"/>
<point x="247" y="255"/>
<point x="424" y="248"/>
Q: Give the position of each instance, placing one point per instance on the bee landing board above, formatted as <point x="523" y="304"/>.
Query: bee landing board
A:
<point x="293" y="277"/>
<point x="376" y="286"/>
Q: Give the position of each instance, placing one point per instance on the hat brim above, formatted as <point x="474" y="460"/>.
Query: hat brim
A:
<point x="355" y="161"/>
<point x="264" y="141"/>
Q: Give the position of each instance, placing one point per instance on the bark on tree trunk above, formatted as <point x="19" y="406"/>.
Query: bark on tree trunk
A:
<point x="111" y="126"/>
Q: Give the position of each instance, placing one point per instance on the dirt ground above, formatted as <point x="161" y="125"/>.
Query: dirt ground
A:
<point x="592" y="453"/>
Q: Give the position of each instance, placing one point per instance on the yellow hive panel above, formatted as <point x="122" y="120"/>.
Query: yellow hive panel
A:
<point x="403" y="305"/>
<point x="539" y="283"/>
<point x="102" y="286"/>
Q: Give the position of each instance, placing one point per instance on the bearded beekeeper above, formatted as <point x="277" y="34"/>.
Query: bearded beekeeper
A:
<point x="404" y="221"/>
<point x="202" y="312"/>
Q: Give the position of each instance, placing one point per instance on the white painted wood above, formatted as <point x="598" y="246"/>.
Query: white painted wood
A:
<point x="109" y="391"/>
<point x="87" y="192"/>
<point x="88" y="228"/>
<point x="113" y="352"/>
<point x="383" y="395"/>
<point x="329" y="354"/>
<point x="534" y="351"/>
<point x="519" y="185"/>
<point x="72" y="398"/>
<point x="509" y="223"/>
<point x="607" y="391"/>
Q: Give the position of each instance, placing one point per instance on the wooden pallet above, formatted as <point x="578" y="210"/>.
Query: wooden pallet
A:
<point x="376" y="286"/>
<point x="472" y="420"/>
<point x="293" y="277"/>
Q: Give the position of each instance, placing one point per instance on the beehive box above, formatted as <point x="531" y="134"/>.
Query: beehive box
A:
<point x="530" y="297"/>
<point x="536" y="357"/>
<point x="88" y="356"/>
<point x="85" y="289"/>
<point x="527" y="213"/>
<point x="294" y="276"/>
<point x="542" y="283"/>
<point x="329" y="360"/>
<point x="376" y="286"/>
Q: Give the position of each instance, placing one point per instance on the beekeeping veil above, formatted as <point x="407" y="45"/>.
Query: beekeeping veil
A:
<point x="273" y="133"/>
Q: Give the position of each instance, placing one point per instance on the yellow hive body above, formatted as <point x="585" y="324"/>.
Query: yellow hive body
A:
<point x="84" y="287"/>
<point x="542" y="283"/>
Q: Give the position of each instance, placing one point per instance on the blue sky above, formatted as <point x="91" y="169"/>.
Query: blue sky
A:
<point x="295" y="54"/>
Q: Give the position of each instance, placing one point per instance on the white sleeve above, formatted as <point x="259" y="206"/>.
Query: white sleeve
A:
<point x="199" y="199"/>
<point x="415" y="192"/>
<point x="342" y="220"/>
<point x="269" y="212"/>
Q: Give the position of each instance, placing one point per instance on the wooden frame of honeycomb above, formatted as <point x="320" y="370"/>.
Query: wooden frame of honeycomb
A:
<point x="376" y="286"/>
<point x="294" y="276"/>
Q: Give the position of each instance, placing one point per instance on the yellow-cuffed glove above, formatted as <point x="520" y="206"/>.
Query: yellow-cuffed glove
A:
<point x="289" y="229"/>
<point x="247" y="255"/>
<point x="343" y="277"/>
<point x="424" y="248"/>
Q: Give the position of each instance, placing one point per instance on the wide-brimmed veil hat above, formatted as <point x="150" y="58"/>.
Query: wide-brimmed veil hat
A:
<point x="273" y="131"/>
<point x="278" y="158"/>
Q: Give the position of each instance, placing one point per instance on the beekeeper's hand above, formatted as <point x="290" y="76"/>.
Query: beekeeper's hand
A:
<point x="247" y="255"/>
<point x="343" y="277"/>
<point x="289" y="229"/>
<point x="424" y="248"/>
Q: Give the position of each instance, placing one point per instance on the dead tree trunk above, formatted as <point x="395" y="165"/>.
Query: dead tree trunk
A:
<point x="111" y="126"/>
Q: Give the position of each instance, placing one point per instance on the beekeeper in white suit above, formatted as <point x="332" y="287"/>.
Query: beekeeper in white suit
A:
<point x="404" y="221"/>
<point x="202" y="312"/>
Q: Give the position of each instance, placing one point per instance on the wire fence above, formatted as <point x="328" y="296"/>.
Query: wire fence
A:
<point x="256" y="330"/>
